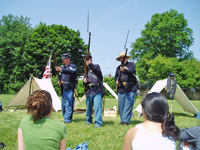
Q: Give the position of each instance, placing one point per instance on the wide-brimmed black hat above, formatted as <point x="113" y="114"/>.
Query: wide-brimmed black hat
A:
<point x="67" y="55"/>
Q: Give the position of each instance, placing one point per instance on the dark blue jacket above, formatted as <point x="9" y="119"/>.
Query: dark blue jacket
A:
<point x="191" y="135"/>
<point x="127" y="78"/>
<point x="94" y="73"/>
<point x="69" y="76"/>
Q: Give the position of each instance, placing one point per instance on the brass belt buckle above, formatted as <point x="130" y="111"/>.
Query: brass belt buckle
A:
<point x="124" y="83"/>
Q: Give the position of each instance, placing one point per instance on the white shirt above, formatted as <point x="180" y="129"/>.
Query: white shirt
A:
<point x="145" y="140"/>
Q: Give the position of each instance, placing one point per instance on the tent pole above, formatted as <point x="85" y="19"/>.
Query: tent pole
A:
<point x="171" y="106"/>
<point x="170" y="93"/>
<point x="30" y="78"/>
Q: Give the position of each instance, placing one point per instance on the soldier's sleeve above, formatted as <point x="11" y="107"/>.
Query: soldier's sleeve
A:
<point x="116" y="73"/>
<point x="71" y="69"/>
<point x="191" y="135"/>
<point x="97" y="70"/>
<point x="130" y="69"/>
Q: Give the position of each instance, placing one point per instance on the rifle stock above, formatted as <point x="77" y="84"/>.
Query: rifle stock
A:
<point x="85" y="66"/>
<point x="55" y="62"/>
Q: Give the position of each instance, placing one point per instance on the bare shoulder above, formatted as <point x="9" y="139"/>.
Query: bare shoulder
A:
<point x="131" y="133"/>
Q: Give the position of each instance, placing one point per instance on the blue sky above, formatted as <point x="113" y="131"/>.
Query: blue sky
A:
<point x="109" y="21"/>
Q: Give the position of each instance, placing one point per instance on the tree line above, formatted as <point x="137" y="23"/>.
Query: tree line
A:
<point x="162" y="48"/>
<point x="25" y="50"/>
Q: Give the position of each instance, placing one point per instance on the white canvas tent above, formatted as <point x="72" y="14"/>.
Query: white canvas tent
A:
<point x="110" y="90"/>
<point x="179" y="96"/>
<point x="44" y="84"/>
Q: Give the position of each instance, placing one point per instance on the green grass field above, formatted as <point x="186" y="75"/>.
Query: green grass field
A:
<point x="108" y="137"/>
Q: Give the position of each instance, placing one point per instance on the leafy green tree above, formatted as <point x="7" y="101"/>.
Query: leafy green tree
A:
<point x="167" y="34"/>
<point x="187" y="72"/>
<point x="112" y="84"/>
<point x="62" y="39"/>
<point x="142" y="67"/>
<point x="161" y="66"/>
<point x="80" y="88"/>
<point x="15" y="33"/>
<point x="190" y="74"/>
<point x="24" y="50"/>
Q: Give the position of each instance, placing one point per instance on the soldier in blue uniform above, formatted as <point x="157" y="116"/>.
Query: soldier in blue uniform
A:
<point x="93" y="93"/>
<point x="127" y="88"/>
<point x="68" y="74"/>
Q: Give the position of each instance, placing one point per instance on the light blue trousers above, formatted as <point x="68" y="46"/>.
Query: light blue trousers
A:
<point x="97" y="102"/>
<point x="125" y="105"/>
<point x="68" y="105"/>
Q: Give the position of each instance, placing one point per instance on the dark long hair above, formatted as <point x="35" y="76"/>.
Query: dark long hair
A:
<point x="39" y="104"/>
<point x="156" y="108"/>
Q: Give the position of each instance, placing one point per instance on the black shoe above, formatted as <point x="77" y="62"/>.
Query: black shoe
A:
<point x="124" y="123"/>
<point x="2" y="145"/>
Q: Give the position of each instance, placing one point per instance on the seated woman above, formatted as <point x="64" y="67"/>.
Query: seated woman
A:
<point x="38" y="130"/>
<point x="158" y="131"/>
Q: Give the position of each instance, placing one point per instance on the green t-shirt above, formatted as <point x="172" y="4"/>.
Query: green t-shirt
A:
<point x="44" y="134"/>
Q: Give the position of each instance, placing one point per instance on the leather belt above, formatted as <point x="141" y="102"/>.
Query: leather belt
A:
<point x="124" y="83"/>
<point x="92" y="84"/>
<point x="67" y="82"/>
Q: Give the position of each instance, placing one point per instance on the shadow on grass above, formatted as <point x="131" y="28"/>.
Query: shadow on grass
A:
<point x="135" y="122"/>
<point x="108" y="123"/>
<point x="183" y="115"/>
<point x="15" y="108"/>
<point x="78" y="119"/>
<point x="84" y="120"/>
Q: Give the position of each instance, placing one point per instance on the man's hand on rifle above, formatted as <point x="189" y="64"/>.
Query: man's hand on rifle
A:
<point x="85" y="80"/>
<point x="59" y="83"/>
<point x="87" y="63"/>
<point x="117" y="82"/>
<point x="58" y="68"/>
<point x="122" y="69"/>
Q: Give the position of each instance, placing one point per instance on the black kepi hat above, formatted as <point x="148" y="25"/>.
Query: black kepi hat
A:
<point x="89" y="56"/>
<point x="67" y="55"/>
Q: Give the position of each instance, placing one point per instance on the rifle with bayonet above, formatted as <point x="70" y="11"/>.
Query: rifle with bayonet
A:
<point x="88" y="53"/>
<point x="122" y="64"/>
<point x="55" y="62"/>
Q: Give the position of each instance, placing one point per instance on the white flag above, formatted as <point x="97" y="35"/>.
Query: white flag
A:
<point x="48" y="70"/>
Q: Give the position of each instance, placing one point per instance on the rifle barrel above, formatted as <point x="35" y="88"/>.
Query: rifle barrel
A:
<point x="88" y="53"/>
<point x="122" y="63"/>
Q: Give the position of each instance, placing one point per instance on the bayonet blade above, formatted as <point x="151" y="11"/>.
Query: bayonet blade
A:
<point x="126" y="40"/>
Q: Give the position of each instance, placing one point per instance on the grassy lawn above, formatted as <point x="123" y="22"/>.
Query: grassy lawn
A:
<point x="109" y="137"/>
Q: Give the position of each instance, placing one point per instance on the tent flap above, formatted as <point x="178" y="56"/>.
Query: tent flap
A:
<point x="44" y="84"/>
<point x="180" y="97"/>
